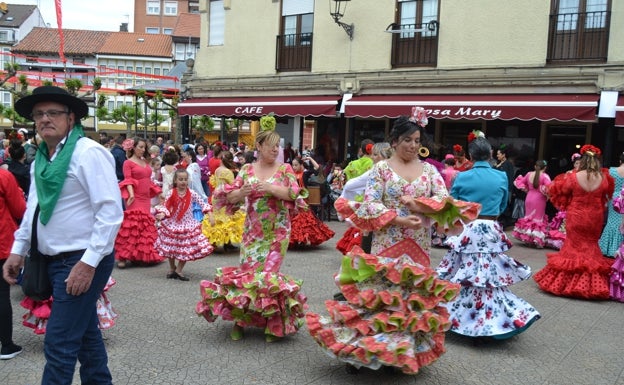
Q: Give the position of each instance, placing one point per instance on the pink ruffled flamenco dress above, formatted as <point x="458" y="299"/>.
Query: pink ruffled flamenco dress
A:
<point x="392" y="314"/>
<point x="616" y="279"/>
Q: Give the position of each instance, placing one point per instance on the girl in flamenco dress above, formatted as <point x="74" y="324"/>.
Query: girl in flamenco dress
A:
<point x="353" y="190"/>
<point x="39" y="311"/>
<point x="611" y="237"/>
<point x="557" y="232"/>
<point x="579" y="269"/>
<point x="227" y="230"/>
<point x="256" y="293"/>
<point x="616" y="279"/>
<point x="307" y="229"/>
<point x="179" y="234"/>
<point x="532" y="229"/>
<point x="391" y="315"/>
<point x="137" y="235"/>
<point x="485" y="307"/>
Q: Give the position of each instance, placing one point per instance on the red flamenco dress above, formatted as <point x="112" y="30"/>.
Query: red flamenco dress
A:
<point x="579" y="269"/>
<point x="392" y="315"/>
<point x="307" y="229"/>
<point x="137" y="235"/>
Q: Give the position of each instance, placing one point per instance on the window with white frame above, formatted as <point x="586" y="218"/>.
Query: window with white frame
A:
<point x="216" y="27"/>
<point x="5" y="57"/>
<point x="152" y="30"/>
<point x="180" y="51"/>
<point x="171" y="8"/>
<point x="153" y="7"/>
<point x="168" y="31"/>
<point x="6" y="99"/>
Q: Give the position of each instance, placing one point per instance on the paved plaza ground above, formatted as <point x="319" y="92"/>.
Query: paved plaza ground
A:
<point x="159" y="339"/>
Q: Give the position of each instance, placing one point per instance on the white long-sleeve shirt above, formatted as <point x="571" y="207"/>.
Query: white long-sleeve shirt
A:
<point x="88" y="213"/>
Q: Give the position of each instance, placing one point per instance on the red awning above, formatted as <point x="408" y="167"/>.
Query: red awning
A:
<point x="472" y="107"/>
<point x="248" y="107"/>
<point x="619" y="111"/>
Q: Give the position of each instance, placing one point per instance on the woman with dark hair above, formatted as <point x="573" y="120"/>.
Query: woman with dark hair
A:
<point x="485" y="307"/>
<point x="461" y="161"/>
<point x="376" y="320"/>
<point x="579" y="269"/>
<point x="532" y="229"/>
<point x="136" y="237"/>
<point x="611" y="237"/>
<point x="18" y="166"/>
<point x="504" y="164"/>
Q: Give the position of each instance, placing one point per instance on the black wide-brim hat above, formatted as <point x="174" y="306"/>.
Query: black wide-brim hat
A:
<point x="24" y="106"/>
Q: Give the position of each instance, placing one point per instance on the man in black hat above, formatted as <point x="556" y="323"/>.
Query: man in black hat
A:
<point x="76" y="205"/>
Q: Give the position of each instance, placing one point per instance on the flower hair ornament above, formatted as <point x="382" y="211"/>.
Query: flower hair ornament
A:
<point x="268" y="122"/>
<point x="419" y="116"/>
<point x="369" y="148"/>
<point x="127" y="144"/>
<point x="475" y="134"/>
<point x="590" y="150"/>
<point x="457" y="148"/>
<point x="576" y="156"/>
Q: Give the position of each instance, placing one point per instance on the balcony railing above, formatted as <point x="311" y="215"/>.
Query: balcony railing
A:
<point x="414" y="45"/>
<point x="579" y="37"/>
<point x="293" y="52"/>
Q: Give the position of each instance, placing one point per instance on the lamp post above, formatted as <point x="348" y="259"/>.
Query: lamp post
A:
<point x="337" y="11"/>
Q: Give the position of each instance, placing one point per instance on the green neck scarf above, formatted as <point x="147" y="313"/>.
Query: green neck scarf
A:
<point x="50" y="176"/>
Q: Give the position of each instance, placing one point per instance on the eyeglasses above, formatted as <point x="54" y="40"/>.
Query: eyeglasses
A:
<point x="52" y="114"/>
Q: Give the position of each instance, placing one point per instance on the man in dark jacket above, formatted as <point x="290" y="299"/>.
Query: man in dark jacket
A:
<point x="120" y="157"/>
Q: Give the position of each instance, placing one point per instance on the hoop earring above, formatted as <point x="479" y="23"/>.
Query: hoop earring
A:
<point x="423" y="152"/>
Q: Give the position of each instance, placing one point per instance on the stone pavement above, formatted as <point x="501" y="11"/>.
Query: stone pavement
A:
<point x="159" y="339"/>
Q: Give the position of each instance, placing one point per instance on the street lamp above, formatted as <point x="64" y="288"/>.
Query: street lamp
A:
<point x="337" y="11"/>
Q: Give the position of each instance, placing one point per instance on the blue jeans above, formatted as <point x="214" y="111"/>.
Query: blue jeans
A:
<point x="72" y="331"/>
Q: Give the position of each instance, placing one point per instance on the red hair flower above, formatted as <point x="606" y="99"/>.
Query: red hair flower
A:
<point x="369" y="148"/>
<point x="475" y="134"/>
<point x="590" y="150"/>
<point x="457" y="148"/>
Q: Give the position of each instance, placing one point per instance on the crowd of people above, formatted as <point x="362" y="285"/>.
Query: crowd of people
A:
<point x="130" y="202"/>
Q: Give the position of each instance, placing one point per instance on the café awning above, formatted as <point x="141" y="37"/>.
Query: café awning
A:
<point x="619" y="111"/>
<point x="561" y="107"/>
<point x="250" y="107"/>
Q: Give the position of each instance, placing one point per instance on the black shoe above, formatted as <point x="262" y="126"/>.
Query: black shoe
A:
<point x="10" y="351"/>
<point x="183" y="277"/>
<point x="172" y="275"/>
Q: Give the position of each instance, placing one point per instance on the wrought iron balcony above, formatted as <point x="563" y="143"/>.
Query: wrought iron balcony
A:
<point x="293" y="52"/>
<point x="579" y="37"/>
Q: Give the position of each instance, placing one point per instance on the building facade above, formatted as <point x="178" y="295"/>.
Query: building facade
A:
<point x="160" y="16"/>
<point x="540" y="75"/>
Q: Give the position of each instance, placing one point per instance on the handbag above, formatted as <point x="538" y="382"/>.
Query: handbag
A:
<point x="35" y="280"/>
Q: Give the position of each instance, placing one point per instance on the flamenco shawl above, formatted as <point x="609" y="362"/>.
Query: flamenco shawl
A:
<point x="449" y="214"/>
<point x="254" y="295"/>
<point x="392" y="315"/>
<point x="179" y="204"/>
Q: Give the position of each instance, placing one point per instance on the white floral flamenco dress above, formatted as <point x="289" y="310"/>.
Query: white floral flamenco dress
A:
<point x="485" y="307"/>
<point x="393" y="314"/>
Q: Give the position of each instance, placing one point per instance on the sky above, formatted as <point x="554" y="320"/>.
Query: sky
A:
<point x="85" y="14"/>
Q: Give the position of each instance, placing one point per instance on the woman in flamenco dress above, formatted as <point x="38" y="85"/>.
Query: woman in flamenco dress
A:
<point x="485" y="307"/>
<point x="579" y="269"/>
<point x="611" y="237"/>
<point x="307" y="229"/>
<point x="137" y="235"/>
<point x="532" y="229"/>
<point x="556" y="227"/>
<point x="256" y="293"/>
<point x="616" y="279"/>
<point x="354" y="190"/>
<point x="227" y="230"/>
<point x="391" y="314"/>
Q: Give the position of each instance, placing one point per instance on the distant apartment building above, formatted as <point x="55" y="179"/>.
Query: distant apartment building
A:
<point x="122" y="60"/>
<point x="161" y="16"/>
<point x="16" y="21"/>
